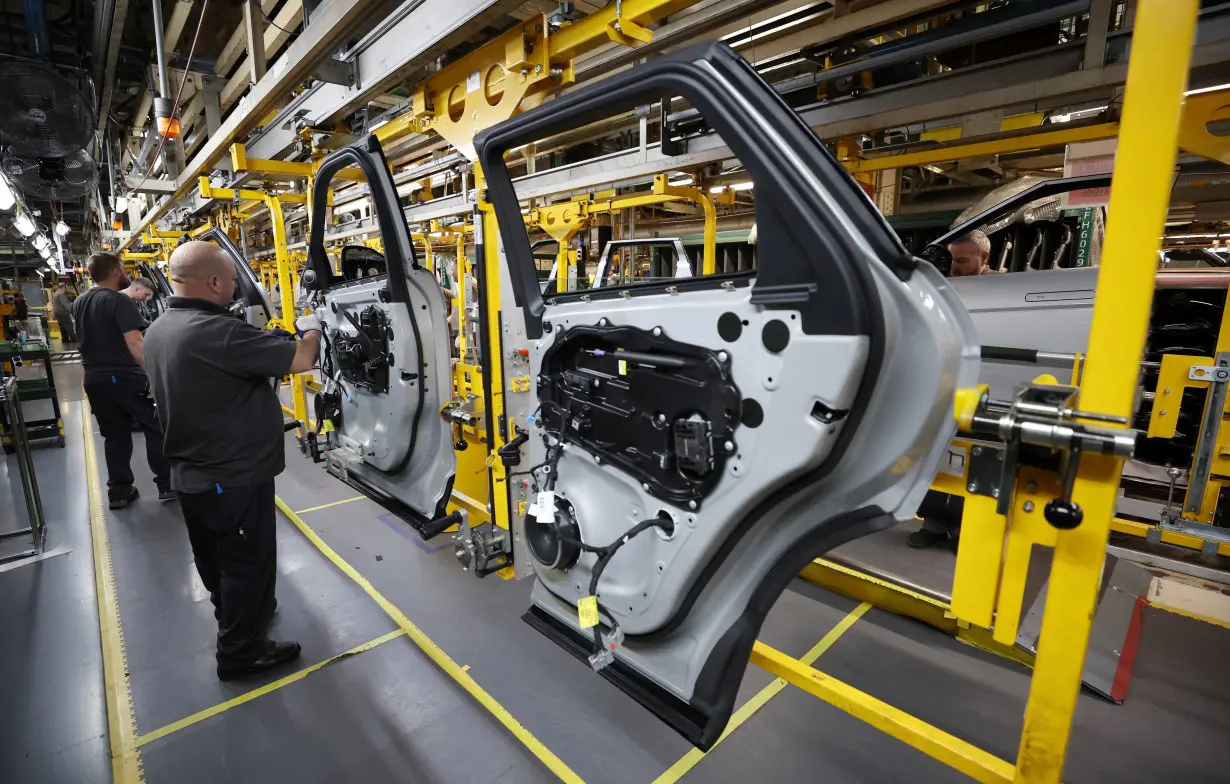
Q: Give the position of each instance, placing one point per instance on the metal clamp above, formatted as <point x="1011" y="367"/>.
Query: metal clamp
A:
<point x="1040" y="425"/>
<point x="1210" y="422"/>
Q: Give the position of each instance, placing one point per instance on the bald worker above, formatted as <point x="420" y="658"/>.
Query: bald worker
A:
<point x="210" y="372"/>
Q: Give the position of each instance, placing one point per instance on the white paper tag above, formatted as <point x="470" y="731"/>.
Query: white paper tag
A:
<point x="473" y="82"/>
<point x="953" y="461"/>
<point x="543" y="508"/>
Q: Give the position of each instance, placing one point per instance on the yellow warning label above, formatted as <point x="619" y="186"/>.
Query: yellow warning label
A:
<point x="587" y="612"/>
<point x="623" y="367"/>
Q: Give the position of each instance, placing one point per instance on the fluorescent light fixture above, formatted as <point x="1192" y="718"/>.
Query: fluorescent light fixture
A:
<point x="931" y="167"/>
<point x="121" y="203"/>
<point x="61" y="228"/>
<point x="40" y="242"/>
<point x="7" y="199"/>
<point x="717" y="189"/>
<point x="1077" y="114"/>
<point x="1207" y="89"/>
<point x="742" y="186"/>
<point x="23" y="224"/>
<point x="681" y="180"/>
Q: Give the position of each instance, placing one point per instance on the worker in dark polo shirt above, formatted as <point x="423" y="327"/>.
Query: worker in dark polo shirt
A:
<point x="109" y="338"/>
<point x="211" y="375"/>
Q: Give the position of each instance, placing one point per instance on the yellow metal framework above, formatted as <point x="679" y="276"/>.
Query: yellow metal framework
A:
<point x="562" y="221"/>
<point x="285" y="274"/>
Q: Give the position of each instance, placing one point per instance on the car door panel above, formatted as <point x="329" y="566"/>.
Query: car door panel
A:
<point x="840" y="354"/>
<point x="391" y="381"/>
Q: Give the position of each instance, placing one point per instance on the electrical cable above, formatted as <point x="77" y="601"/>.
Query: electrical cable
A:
<point x="605" y="554"/>
<point x="200" y="23"/>
<point x="269" y="21"/>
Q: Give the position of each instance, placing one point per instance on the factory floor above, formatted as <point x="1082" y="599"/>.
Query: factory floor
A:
<point x="375" y="604"/>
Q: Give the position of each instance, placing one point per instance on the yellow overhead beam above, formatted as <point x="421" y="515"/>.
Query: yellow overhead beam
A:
<point x="603" y="26"/>
<point x="208" y="191"/>
<point x="1011" y="144"/>
<point x="516" y="69"/>
<point x="283" y="169"/>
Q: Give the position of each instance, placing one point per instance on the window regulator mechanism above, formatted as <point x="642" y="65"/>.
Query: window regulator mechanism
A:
<point x="1039" y="427"/>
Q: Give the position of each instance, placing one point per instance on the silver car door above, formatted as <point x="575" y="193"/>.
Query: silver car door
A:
<point x="707" y="437"/>
<point x="386" y="354"/>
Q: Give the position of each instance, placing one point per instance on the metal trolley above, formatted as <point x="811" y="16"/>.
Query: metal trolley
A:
<point x="10" y="403"/>
<point x="18" y="354"/>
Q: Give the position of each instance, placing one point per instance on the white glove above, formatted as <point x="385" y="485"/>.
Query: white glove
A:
<point x="306" y="324"/>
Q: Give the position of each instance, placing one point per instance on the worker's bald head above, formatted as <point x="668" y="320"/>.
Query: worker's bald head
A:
<point x="202" y="270"/>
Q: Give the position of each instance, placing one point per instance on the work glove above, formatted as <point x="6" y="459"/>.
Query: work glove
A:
<point x="305" y="324"/>
<point x="281" y="333"/>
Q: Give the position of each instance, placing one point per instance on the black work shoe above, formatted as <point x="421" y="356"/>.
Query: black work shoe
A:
<point x="276" y="654"/>
<point x="167" y="495"/>
<point x="119" y="499"/>
<point x="925" y="538"/>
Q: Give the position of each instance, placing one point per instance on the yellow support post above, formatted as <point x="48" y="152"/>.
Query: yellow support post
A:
<point x="1139" y="199"/>
<point x="486" y="238"/>
<point x="287" y="285"/>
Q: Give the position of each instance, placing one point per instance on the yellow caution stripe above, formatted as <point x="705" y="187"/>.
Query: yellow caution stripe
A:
<point x="745" y="711"/>
<point x="437" y="655"/>
<point x="199" y="716"/>
<point x="121" y="721"/>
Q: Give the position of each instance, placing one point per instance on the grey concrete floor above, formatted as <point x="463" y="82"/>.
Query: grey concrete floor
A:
<point x="389" y="714"/>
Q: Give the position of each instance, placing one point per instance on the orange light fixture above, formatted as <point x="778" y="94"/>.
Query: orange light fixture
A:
<point x="168" y="127"/>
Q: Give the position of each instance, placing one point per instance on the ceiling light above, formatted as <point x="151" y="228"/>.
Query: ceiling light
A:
<point x="1207" y="89"/>
<point x="717" y="189"/>
<point x="61" y="228"/>
<point x="23" y="224"/>
<point x="684" y="179"/>
<point x="40" y="242"/>
<point x="742" y="186"/>
<point x="7" y="199"/>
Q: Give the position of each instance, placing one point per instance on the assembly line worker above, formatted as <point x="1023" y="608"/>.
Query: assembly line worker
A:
<point x="211" y="375"/>
<point x="941" y="512"/>
<point x="970" y="254"/>
<point x="140" y="289"/>
<point x="62" y="310"/>
<point x="112" y="356"/>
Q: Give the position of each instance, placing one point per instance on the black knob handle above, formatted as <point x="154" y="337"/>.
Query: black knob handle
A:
<point x="1063" y="514"/>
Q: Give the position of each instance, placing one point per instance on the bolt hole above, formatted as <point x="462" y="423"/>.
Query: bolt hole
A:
<point x="745" y="322"/>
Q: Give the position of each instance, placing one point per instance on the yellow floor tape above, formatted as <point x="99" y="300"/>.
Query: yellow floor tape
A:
<point x="326" y="506"/>
<point x="745" y="712"/>
<point x="188" y="721"/>
<point x="121" y="721"/>
<point x="437" y="655"/>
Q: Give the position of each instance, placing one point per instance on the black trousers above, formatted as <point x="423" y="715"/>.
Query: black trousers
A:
<point x="68" y="334"/>
<point x="118" y="406"/>
<point x="941" y="513"/>
<point x="235" y="549"/>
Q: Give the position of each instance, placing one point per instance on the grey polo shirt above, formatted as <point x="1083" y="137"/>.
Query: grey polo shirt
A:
<point x="210" y="373"/>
